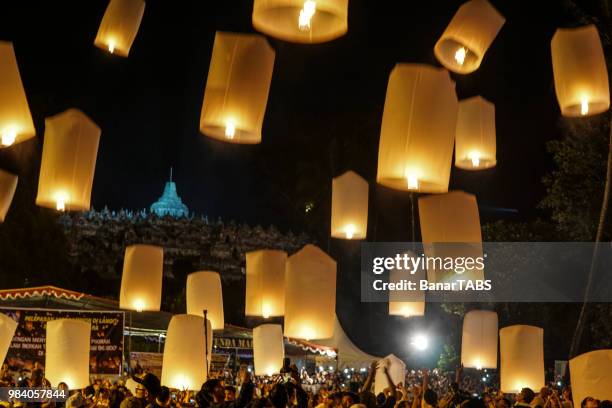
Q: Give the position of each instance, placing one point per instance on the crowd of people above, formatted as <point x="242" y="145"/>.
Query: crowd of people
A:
<point x="298" y="389"/>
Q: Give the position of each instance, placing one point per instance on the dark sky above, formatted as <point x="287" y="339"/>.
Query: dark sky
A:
<point x="324" y="109"/>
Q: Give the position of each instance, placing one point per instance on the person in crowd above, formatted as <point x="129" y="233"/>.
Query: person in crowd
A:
<point x="525" y="398"/>
<point x="567" y="399"/>
<point x="589" y="402"/>
<point x="230" y="393"/>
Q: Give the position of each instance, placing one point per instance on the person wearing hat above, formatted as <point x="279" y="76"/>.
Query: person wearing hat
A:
<point x="147" y="388"/>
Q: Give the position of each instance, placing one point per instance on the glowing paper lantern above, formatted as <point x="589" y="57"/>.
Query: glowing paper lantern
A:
<point x="450" y="228"/>
<point x="119" y="26"/>
<point x="237" y="88"/>
<point x="521" y="358"/>
<point x="183" y="364"/>
<point x="475" y="138"/>
<point x="67" y="353"/>
<point x="418" y="129"/>
<point x="16" y="123"/>
<point x="268" y="349"/>
<point x="204" y="293"/>
<point x="349" y="206"/>
<point x="68" y="161"/>
<point x="265" y="283"/>
<point x="301" y="21"/>
<point x="591" y="376"/>
<point x="7" y="330"/>
<point x="8" y="185"/>
<point x="406" y="303"/>
<point x="479" y="340"/>
<point x="141" y="283"/>
<point x="310" y="294"/>
<point x="468" y="36"/>
<point x="579" y="68"/>
<point x="396" y="369"/>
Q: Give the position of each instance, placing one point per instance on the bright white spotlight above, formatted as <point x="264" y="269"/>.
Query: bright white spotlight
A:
<point x="420" y="342"/>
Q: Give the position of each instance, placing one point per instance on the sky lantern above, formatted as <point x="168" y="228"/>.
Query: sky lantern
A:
<point x="68" y="161"/>
<point x="237" y="88"/>
<point x="268" y="349"/>
<point x="349" y="219"/>
<point x="16" y="123"/>
<point x="265" y="283"/>
<point x="8" y="185"/>
<point x="301" y="21"/>
<point x="7" y="331"/>
<point x="418" y="129"/>
<point x="406" y="303"/>
<point x="184" y="361"/>
<point x="468" y="36"/>
<point x="141" y="283"/>
<point x="119" y="26"/>
<point x="450" y="227"/>
<point x="67" y="353"/>
<point x="204" y="293"/>
<point x="521" y="358"/>
<point x="579" y="68"/>
<point x="396" y="369"/>
<point x="475" y="145"/>
<point x="310" y="294"/>
<point x="479" y="340"/>
<point x="591" y="376"/>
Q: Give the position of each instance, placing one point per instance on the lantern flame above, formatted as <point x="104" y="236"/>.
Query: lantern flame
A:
<point x="413" y="181"/>
<point x="350" y="231"/>
<point x="307" y="333"/>
<point x="478" y="364"/>
<point x="460" y="55"/>
<point x="306" y="13"/>
<point x="475" y="158"/>
<point x="584" y="106"/>
<point x="230" y="129"/>
<point x="111" y="46"/>
<point x="139" y="305"/>
<point x="8" y="137"/>
<point x="60" y="201"/>
<point x="266" y="311"/>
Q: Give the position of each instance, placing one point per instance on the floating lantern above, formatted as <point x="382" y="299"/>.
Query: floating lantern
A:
<point x="16" y="123"/>
<point x="8" y="185"/>
<point x="204" y="293"/>
<point x="418" y="129"/>
<point x="479" y="340"/>
<point x="237" y="88"/>
<point x="450" y="228"/>
<point x="119" y="26"/>
<point x="406" y="303"/>
<point x="579" y="68"/>
<point x="468" y="36"/>
<point x="265" y="283"/>
<point x="396" y="369"/>
<point x="67" y="353"/>
<point x="310" y="294"/>
<point x="141" y="283"/>
<point x="7" y="331"/>
<point x="591" y="376"/>
<point x="301" y="21"/>
<point x="349" y="206"/>
<point x="184" y="362"/>
<point x="68" y="162"/>
<point x="475" y="138"/>
<point x="521" y="358"/>
<point x="268" y="349"/>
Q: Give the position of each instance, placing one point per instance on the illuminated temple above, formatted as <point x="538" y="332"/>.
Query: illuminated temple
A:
<point x="170" y="203"/>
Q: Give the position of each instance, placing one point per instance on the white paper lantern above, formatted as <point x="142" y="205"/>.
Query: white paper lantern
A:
<point x="8" y="185"/>
<point x="268" y="349"/>
<point x="265" y="283"/>
<point x="310" y="295"/>
<point x="204" y="293"/>
<point x="349" y="218"/>
<point x="119" y="26"/>
<point x="407" y="303"/>
<point x="591" y="375"/>
<point x="7" y="330"/>
<point x="141" y="283"/>
<point x="396" y="369"/>
<point x="67" y="352"/>
<point x="184" y="361"/>
<point x="479" y="340"/>
<point x="521" y="358"/>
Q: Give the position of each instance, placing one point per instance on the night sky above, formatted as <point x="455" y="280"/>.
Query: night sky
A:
<point x="323" y="116"/>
